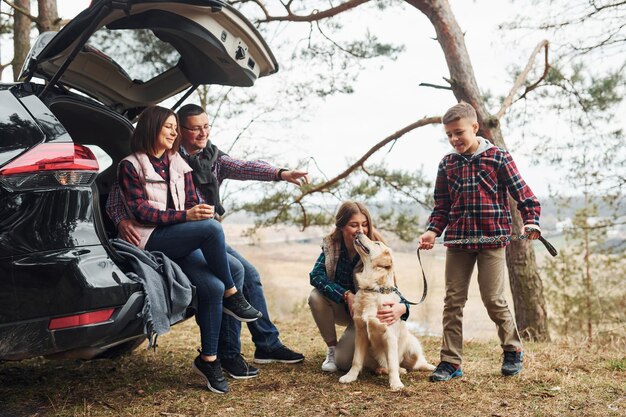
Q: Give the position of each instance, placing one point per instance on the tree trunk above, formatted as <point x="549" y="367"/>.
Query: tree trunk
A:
<point x="48" y="18"/>
<point x="21" y="36"/>
<point x="526" y="285"/>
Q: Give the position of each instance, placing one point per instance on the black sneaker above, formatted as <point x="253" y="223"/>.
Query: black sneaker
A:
<point x="212" y="373"/>
<point x="445" y="371"/>
<point x="238" y="368"/>
<point x="238" y="307"/>
<point x="512" y="363"/>
<point x="283" y="354"/>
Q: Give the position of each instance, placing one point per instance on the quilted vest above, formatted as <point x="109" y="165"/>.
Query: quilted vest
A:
<point x="156" y="188"/>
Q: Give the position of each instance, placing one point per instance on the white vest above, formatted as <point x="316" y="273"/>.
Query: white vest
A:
<point x="156" y="188"/>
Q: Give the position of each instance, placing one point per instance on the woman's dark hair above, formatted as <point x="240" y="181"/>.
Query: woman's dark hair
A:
<point x="345" y="212"/>
<point x="149" y="125"/>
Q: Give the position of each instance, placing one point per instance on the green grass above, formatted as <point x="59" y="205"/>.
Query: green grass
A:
<point x="558" y="380"/>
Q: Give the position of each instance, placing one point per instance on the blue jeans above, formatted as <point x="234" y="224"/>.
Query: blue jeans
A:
<point x="264" y="333"/>
<point x="199" y="249"/>
<point x="180" y="239"/>
<point x="209" y="293"/>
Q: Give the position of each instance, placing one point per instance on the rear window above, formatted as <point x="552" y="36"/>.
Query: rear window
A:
<point x="128" y="47"/>
<point x="18" y="131"/>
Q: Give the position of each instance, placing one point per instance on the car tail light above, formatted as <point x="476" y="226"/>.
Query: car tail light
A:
<point x="51" y="165"/>
<point x="83" y="319"/>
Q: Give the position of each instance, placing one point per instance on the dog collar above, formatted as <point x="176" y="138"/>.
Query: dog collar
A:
<point x="381" y="290"/>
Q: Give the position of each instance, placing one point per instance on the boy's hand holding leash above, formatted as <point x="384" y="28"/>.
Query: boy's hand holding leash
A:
<point x="531" y="232"/>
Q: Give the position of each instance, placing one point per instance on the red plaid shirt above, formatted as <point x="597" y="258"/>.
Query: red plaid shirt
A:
<point x="135" y="195"/>
<point x="471" y="197"/>
<point x="224" y="168"/>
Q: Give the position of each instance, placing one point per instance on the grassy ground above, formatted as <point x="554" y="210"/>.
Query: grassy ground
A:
<point x="558" y="380"/>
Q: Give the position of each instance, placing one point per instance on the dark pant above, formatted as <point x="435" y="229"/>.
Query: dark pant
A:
<point x="264" y="333"/>
<point x="199" y="248"/>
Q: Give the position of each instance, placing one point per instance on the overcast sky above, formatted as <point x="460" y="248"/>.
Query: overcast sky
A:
<point x="387" y="98"/>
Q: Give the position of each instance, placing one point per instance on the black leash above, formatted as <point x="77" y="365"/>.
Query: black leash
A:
<point x="551" y="249"/>
<point x="425" y="292"/>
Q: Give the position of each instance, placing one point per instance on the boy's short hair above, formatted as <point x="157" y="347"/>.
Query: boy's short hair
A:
<point x="459" y="111"/>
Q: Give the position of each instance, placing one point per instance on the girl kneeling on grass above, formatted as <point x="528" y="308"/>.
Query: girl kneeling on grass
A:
<point x="333" y="278"/>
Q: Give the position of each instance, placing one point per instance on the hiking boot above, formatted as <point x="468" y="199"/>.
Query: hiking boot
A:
<point x="238" y="307"/>
<point x="512" y="362"/>
<point x="238" y="368"/>
<point x="445" y="371"/>
<point x="329" y="363"/>
<point x="283" y="354"/>
<point x="212" y="373"/>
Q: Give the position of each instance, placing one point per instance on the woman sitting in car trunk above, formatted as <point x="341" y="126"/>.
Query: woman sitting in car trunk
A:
<point x="158" y="191"/>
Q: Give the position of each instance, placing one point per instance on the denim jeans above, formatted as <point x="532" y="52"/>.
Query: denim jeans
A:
<point x="177" y="242"/>
<point x="180" y="239"/>
<point x="209" y="293"/>
<point x="264" y="333"/>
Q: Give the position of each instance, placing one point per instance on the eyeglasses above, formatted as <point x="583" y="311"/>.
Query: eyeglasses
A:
<point x="197" y="129"/>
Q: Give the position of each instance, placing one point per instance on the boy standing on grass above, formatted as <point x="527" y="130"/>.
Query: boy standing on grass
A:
<point x="471" y="203"/>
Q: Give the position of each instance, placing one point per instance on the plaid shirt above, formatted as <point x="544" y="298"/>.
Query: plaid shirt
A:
<point x="224" y="167"/>
<point x="132" y="189"/>
<point x="344" y="278"/>
<point x="236" y="169"/>
<point x="471" y="197"/>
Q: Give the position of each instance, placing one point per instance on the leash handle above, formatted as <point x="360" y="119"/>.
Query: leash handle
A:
<point x="551" y="249"/>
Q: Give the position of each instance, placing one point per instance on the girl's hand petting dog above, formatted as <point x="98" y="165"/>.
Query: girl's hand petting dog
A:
<point x="391" y="312"/>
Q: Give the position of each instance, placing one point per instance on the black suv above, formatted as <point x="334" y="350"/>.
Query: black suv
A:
<point x="64" y="291"/>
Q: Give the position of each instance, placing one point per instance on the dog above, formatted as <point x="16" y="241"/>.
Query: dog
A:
<point x="392" y="347"/>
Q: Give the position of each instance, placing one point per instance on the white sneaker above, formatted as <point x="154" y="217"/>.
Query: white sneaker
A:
<point x="329" y="362"/>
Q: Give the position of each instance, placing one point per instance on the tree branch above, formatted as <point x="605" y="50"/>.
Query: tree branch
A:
<point x="321" y="187"/>
<point x="313" y="16"/>
<point x="441" y="87"/>
<point x="521" y="79"/>
<point x="257" y="2"/>
<point x="398" y="189"/>
<point x="21" y="10"/>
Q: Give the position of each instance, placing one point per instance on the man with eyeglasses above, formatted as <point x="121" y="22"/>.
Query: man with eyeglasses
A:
<point x="210" y="167"/>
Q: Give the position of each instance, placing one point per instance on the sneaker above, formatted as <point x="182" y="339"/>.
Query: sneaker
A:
<point x="238" y="368"/>
<point x="212" y="373"/>
<point x="283" y="354"/>
<point x="238" y="307"/>
<point x="512" y="362"/>
<point x="329" y="363"/>
<point x="445" y="371"/>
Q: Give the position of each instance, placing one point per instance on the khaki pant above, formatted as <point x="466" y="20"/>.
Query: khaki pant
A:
<point x="459" y="268"/>
<point x="327" y="314"/>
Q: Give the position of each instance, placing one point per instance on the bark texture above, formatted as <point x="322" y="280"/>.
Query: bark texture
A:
<point x="48" y="17"/>
<point x="21" y="36"/>
<point x="526" y="285"/>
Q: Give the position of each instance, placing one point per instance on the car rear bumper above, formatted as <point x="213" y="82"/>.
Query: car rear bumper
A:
<point x="27" y="339"/>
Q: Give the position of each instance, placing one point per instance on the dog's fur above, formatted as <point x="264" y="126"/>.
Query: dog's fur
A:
<point x="390" y="347"/>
